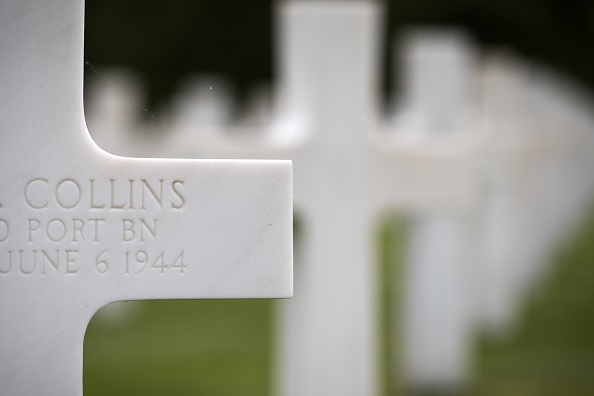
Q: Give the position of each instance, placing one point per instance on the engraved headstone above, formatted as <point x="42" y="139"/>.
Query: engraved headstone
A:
<point x="80" y="228"/>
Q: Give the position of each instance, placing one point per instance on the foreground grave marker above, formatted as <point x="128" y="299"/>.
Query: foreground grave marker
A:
<point x="80" y="228"/>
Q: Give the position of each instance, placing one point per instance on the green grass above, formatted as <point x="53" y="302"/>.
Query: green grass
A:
<point x="391" y="237"/>
<point x="552" y="351"/>
<point x="209" y="347"/>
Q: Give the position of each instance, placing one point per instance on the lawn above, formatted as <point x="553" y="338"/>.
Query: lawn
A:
<point x="209" y="347"/>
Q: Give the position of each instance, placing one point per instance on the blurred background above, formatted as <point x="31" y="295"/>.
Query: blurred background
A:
<point x="227" y="347"/>
<point x="167" y="41"/>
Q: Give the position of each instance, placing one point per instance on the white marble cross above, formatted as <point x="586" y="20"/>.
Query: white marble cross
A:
<point x="80" y="228"/>
<point x="347" y="175"/>
<point x="440" y="263"/>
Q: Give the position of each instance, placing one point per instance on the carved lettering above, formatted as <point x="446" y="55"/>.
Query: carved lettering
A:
<point x="152" y="231"/>
<point x="34" y="190"/>
<point x="68" y="194"/>
<point x="22" y="263"/>
<point x="33" y="226"/>
<point x="97" y="222"/>
<point x="52" y="262"/>
<point x="176" y="185"/>
<point x="130" y="229"/>
<point x="110" y="194"/>
<point x="93" y="204"/>
<point x="112" y="188"/>
<point x="5" y="269"/>
<point x="157" y="197"/>
<point x="4" y="230"/>
<point x="131" y="181"/>
<point x="128" y="232"/>
<point x="67" y="232"/>
<point x="77" y="227"/>
<point x="55" y="230"/>
<point x="70" y="261"/>
<point x="46" y="257"/>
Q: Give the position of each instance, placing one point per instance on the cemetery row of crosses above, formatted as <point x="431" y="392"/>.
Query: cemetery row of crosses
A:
<point x="487" y="158"/>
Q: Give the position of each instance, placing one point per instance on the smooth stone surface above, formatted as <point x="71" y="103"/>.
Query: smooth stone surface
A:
<point x="80" y="228"/>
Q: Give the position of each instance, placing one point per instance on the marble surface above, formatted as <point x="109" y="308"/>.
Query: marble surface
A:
<point x="80" y="228"/>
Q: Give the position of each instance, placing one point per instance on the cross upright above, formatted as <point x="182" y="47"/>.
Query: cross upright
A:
<point x="80" y="228"/>
<point x="347" y="174"/>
